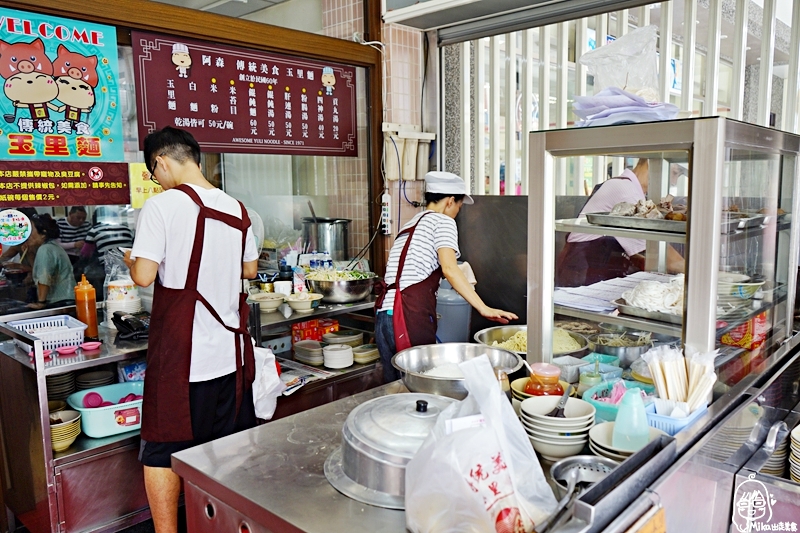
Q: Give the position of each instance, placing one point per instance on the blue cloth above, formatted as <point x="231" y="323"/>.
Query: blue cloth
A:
<point x="384" y="338"/>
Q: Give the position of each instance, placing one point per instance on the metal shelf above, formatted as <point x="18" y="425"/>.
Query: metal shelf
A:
<point x="85" y="446"/>
<point x="272" y="320"/>
<point x="581" y="225"/>
<point x="638" y="324"/>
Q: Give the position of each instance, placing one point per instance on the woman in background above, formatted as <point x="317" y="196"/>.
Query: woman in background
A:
<point x="52" y="269"/>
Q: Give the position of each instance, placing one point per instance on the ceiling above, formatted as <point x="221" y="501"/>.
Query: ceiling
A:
<point x="230" y="8"/>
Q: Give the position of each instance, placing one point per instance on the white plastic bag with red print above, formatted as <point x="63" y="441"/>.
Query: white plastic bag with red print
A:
<point x="473" y="475"/>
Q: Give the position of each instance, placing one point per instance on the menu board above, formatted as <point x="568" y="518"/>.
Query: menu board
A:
<point x="244" y="101"/>
<point x="60" y="89"/>
<point x="37" y="184"/>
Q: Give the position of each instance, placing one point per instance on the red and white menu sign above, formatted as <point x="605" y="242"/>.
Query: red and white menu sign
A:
<point x="244" y="101"/>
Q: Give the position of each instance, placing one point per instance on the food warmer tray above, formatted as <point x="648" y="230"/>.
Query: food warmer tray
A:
<point x="650" y="224"/>
<point x="626" y="309"/>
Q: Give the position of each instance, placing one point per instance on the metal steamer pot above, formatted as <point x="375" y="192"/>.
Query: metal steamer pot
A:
<point x="379" y="438"/>
<point x="326" y="235"/>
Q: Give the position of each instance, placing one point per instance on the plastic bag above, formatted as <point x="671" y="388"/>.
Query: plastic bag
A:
<point x="629" y="63"/>
<point x="267" y="385"/>
<point x="485" y="477"/>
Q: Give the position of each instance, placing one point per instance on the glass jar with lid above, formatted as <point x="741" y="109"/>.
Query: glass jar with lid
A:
<point x="544" y="380"/>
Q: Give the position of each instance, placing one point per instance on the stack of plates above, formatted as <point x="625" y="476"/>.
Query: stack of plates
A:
<point x="338" y="355"/>
<point x="65" y="426"/>
<point x="366" y="353"/>
<point x="776" y="464"/>
<point x="90" y="380"/>
<point x="600" y="441"/>
<point x="556" y="438"/>
<point x="349" y="337"/>
<point x="733" y="434"/>
<point x="60" y="386"/>
<point x="794" y="457"/>
<point x="128" y="306"/>
<point x="308" y="352"/>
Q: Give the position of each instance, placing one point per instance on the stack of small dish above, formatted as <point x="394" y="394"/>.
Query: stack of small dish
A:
<point x="309" y="352"/>
<point x="794" y="457"/>
<point x="349" y="337"/>
<point x="725" y="442"/>
<point x="600" y="441"/>
<point x="65" y="426"/>
<point x="90" y="380"/>
<point x="556" y="438"/>
<point x="776" y="464"/>
<point x="337" y="355"/>
<point x="126" y="306"/>
<point x="366" y="353"/>
<point x="60" y="386"/>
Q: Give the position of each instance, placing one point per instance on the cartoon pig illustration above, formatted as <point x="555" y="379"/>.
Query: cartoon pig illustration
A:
<point x="76" y="66"/>
<point x="28" y="80"/>
<point x="76" y="78"/>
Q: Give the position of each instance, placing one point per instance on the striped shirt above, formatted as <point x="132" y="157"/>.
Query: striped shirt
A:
<point x="69" y="234"/>
<point x="433" y="232"/>
<point x="109" y="236"/>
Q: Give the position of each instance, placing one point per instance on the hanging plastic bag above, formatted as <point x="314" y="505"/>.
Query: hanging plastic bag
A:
<point x="267" y="385"/>
<point x="629" y="63"/>
<point x="476" y="471"/>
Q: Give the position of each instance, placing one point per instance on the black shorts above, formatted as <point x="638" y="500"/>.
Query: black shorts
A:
<point x="213" y="411"/>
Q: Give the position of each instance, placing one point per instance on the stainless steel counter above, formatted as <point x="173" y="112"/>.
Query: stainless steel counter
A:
<point x="272" y="477"/>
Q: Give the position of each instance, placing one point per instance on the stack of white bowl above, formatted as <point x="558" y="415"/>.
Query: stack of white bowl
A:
<point x="733" y="434"/>
<point x="794" y="457"/>
<point x="556" y="438"/>
<point x="60" y="386"/>
<point x="600" y="441"/>
<point x="337" y="355"/>
<point x="776" y="464"/>
<point x="90" y="380"/>
<point x="122" y="295"/>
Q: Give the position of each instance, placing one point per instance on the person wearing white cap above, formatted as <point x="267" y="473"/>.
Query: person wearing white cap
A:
<point x="181" y="59"/>
<point x="425" y="250"/>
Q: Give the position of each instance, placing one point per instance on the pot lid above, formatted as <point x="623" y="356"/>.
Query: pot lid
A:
<point x="323" y="220"/>
<point x="395" y="424"/>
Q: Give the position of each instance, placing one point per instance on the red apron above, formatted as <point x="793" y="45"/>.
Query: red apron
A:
<point x="165" y="411"/>
<point x="414" y="310"/>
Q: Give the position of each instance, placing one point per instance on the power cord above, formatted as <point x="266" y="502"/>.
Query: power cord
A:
<point x="402" y="187"/>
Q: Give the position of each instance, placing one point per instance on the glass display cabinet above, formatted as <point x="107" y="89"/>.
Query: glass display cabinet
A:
<point x="732" y="190"/>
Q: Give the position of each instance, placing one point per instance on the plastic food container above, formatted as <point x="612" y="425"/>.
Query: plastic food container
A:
<point x="607" y="411"/>
<point x="607" y="372"/>
<point x="570" y="367"/>
<point x="118" y="418"/>
<point x="544" y="380"/>
<point x="604" y="359"/>
<point x="53" y="331"/>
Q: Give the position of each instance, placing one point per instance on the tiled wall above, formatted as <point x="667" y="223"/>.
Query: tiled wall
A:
<point x="403" y="83"/>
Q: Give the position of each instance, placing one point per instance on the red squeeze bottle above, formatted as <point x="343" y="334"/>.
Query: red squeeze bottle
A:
<point x="86" y="305"/>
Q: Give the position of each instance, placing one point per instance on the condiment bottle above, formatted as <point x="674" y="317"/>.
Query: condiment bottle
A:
<point x="631" y="431"/>
<point x="86" y="306"/>
<point x="544" y="380"/>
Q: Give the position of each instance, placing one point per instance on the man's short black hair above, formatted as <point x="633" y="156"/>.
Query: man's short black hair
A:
<point x="433" y="197"/>
<point x="172" y="142"/>
<point x="76" y="209"/>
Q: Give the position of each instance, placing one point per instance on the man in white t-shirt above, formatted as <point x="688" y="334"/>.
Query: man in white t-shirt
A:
<point x="196" y="243"/>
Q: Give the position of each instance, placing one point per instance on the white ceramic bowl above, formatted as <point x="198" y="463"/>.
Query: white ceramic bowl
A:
<point x="575" y="411"/>
<point x="268" y="301"/>
<point x="550" y="448"/>
<point x="601" y="435"/>
<point x="572" y="438"/>
<point x="540" y="424"/>
<point x="303" y="302"/>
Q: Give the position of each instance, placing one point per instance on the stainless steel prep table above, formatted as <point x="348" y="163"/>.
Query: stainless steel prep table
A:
<point x="271" y="478"/>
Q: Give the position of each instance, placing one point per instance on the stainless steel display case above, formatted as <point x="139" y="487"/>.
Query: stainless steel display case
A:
<point x="731" y="165"/>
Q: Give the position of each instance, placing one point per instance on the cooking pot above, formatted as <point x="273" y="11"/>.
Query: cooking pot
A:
<point x="379" y="438"/>
<point x="326" y="235"/>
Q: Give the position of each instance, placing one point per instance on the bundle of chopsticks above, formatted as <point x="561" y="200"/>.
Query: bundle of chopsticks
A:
<point x="687" y="379"/>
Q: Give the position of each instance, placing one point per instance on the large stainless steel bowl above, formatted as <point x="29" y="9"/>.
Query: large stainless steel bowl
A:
<point x="413" y="362"/>
<point x="500" y="334"/>
<point x="627" y="354"/>
<point x="342" y="292"/>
